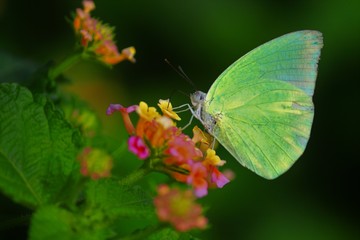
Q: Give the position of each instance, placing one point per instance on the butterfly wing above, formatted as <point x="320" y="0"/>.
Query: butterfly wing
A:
<point x="263" y="103"/>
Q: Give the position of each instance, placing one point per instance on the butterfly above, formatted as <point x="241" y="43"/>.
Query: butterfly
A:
<point x="260" y="108"/>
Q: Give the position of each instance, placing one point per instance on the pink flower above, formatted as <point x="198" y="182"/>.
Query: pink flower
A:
<point x="179" y="209"/>
<point x="197" y="179"/>
<point x="138" y="147"/>
<point x="181" y="150"/>
<point x="125" y="115"/>
<point x="218" y="178"/>
<point x="117" y="107"/>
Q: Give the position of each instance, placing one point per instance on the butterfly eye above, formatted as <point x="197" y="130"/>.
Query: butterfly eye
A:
<point x="197" y="98"/>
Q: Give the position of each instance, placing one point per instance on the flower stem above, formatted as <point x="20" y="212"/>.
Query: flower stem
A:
<point x="136" y="175"/>
<point x="78" y="188"/>
<point x="64" y="65"/>
<point x="71" y="190"/>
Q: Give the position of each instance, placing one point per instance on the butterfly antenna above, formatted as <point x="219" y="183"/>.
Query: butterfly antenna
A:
<point x="184" y="93"/>
<point x="181" y="72"/>
<point x="187" y="78"/>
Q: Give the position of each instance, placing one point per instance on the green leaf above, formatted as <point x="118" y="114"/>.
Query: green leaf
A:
<point x="119" y="200"/>
<point x="171" y="234"/>
<point x="37" y="152"/>
<point x="51" y="222"/>
<point x="62" y="165"/>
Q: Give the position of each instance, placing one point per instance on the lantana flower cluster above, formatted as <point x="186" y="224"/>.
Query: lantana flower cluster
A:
<point x="98" y="38"/>
<point x="157" y="139"/>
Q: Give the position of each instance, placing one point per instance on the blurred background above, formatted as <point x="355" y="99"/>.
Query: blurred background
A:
<point x="318" y="198"/>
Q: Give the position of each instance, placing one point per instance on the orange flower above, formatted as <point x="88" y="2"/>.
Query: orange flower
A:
<point x="202" y="140"/>
<point x="125" y="115"/>
<point x="98" y="38"/>
<point x="181" y="150"/>
<point x="152" y="131"/>
<point x="181" y="177"/>
<point x="198" y="179"/>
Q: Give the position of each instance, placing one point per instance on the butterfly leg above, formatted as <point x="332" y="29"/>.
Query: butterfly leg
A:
<point x="181" y="106"/>
<point x="189" y="123"/>
<point x="213" y="143"/>
<point x="214" y="140"/>
<point x="193" y="113"/>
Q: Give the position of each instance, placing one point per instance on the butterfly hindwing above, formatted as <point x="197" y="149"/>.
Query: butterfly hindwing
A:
<point x="263" y="103"/>
<point x="270" y="131"/>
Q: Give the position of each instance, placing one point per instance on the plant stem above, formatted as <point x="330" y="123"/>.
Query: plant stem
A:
<point x="64" y="65"/>
<point x="77" y="190"/>
<point x="71" y="191"/>
<point x="135" y="176"/>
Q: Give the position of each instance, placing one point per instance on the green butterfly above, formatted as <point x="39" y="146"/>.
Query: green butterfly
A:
<point x="260" y="108"/>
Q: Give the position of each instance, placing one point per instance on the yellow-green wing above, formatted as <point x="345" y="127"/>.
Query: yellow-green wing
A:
<point x="263" y="103"/>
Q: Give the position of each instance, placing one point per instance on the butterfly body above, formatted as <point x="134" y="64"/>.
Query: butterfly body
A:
<point x="208" y="120"/>
<point x="260" y="108"/>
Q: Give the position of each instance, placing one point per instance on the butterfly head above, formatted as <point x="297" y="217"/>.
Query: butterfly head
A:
<point x="197" y="99"/>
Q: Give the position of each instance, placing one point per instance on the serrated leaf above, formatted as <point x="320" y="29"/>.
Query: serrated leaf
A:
<point x="51" y="222"/>
<point x="62" y="164"/>
<point x="119" y="200"/>
<point x="37" y="152"/>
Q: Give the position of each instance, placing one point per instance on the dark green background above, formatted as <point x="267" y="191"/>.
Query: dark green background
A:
<point x="316" y="199"/>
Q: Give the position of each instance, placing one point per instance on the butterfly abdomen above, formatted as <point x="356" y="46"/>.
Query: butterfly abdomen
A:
<point x="209" y="121"/>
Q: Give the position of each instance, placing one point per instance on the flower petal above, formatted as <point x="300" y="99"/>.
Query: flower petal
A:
<point x="138" y="147"/>
<point x="166" y="108"/>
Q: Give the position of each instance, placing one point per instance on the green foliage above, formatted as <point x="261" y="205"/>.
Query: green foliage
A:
<point x="38" y="149"/>
<point x="36" y="144"/>
<point x="51" y="222"/>
<point x="119" y="200"/>
<point x="170" y="234"/>
<point x="38" y="169"/>
<point x="46" y="138"/>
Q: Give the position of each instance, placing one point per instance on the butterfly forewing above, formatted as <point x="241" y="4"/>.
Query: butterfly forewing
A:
<point x="263" y="103"/>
